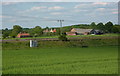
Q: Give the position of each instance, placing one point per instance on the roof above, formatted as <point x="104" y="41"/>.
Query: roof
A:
<point x="46" y="30"/>
<point x="23" y="34"/>
<point x="70" y="33"/>
<point x="78" y="30"/>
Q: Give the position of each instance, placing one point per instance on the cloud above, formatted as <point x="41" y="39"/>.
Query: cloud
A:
<point x="100" y="9"/>
<point x="35" y="8"/>
<point x="56" y="13"/>
<point x="114" y="9"/>
<point x="114" y="12"/>
<point x="9" y="3"/>
<point x="5" y="16"/>
<point x="38" y="8"/>
<point x="100" y="3"/>
<point x="61" y="0"/>
<point x="56" y="8"/>
<point x="82" y="10"/>
<point x="42" y="8"/>
<point x="13" y="20"/>
<point x="19" y="20"/>
<point x="81" y="5"/>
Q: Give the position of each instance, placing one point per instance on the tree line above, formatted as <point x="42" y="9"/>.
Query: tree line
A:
<point x="37" y="31"/>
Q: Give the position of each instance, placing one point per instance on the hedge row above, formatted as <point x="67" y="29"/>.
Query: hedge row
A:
<point x="52" y="44"/>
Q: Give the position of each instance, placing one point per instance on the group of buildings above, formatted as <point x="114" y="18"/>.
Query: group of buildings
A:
<point x="23" y="34"/>
<point x="78" y="31"/>
<point x="73" y="31"/>
<point x="47" y="30"/>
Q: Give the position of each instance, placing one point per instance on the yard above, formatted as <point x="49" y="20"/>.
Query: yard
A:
<point x="91" y="60"/>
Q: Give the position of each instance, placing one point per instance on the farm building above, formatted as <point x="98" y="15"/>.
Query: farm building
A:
<point x="22" y="35"/>
<point x="47" y="30"/>
<point x="53" y="30"/>
<point x="78" y="31"/>
<point x="71" y="33"/>
<point x="96" y="32"/>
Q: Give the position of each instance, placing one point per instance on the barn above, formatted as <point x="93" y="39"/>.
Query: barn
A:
<point x="22" y="35"/>
<point x="78" y="31"/>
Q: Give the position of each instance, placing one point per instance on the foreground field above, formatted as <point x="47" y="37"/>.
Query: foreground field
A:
<point x="91" y="60"/>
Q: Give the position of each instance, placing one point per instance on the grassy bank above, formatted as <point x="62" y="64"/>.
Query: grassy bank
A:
<point x="77" y="42"/>
<point x="92" y="60"/>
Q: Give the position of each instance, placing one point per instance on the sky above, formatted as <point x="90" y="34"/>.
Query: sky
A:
<point x="60" y="0"/>
<point x="46" y="14"/>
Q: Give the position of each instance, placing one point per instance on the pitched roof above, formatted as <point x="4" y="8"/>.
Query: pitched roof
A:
<point x="70" y="33"/>
<point x="78" y="30"/>
<point x="24" y="34"/>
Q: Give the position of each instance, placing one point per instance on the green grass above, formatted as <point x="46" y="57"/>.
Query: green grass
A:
<point x="103" y="35"/>
<point x="91" y="60"/>
<point x="34" y="37"/>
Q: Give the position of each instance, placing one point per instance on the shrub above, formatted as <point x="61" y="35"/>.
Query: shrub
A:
<point x="62" y="38"/>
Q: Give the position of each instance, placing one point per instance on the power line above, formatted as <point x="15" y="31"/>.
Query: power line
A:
<point x="60" y="25"/>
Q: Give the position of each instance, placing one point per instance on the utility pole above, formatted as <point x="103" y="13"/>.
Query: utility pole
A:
<point x="60" y="26"/>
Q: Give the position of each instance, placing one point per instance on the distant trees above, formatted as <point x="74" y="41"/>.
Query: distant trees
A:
<point x="16" y="29"/>
<point x="6" y="33"/>
<point x="93" y="25"/>
<point x="101" y="27"/>
<point x="38" y="31"/>
<point x="115" y="30"/>
<point x="109" y="27"/>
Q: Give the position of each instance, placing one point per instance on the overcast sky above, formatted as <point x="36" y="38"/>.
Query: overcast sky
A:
<point x="31" y="14"/>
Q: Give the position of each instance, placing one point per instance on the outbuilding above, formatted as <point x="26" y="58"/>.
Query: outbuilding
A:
<point x="22" y="35"/>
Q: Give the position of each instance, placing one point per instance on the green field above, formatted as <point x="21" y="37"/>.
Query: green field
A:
<point x="91" y="60"/>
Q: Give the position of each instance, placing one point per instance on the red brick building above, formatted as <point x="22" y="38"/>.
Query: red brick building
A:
<point x="22" y="35"/>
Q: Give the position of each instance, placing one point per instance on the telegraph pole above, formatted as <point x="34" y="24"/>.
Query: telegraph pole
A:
<point x="60" y="26"/>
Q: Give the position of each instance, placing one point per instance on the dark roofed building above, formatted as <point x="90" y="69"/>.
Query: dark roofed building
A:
<point x="78" y="31"/>
<point x="81" y="31"/>
<point x="96" y="32"/>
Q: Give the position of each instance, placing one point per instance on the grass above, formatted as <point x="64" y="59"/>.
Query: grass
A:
<point x="91" y="60"/>
<point x="0" y="58"/>
<point x="103" y="35"/>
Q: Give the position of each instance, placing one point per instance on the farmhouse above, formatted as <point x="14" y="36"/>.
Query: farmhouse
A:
<point x="78" y="31"/>
<point x="47" y="30"/>
<point x="22" y="35"/>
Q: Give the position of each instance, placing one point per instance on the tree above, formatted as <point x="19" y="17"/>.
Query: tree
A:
<point x="115" y="30"/>
<point x="6" y="32"/>
<point x="16" y="29"/>
<point x="93" y="25"/>
<point x="62" y="37"/>
<point x="47" y="28"/>
<point x="58" y="31"/>
<point x="101" y="26"/>
<point x="37" y="31"/>
<point x="108" y="27"/>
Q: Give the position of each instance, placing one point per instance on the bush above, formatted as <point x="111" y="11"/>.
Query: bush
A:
<point x="62" y="38"/>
